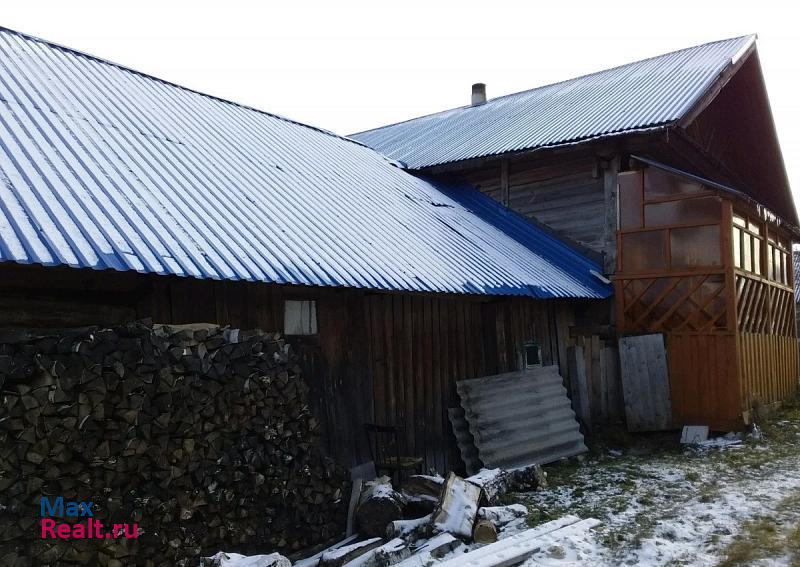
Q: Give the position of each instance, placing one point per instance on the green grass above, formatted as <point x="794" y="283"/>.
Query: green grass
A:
<point x="776" y="535"/>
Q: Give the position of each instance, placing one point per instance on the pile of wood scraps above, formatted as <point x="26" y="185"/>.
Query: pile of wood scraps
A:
<point x="464" y="524"/>
<point x="200" y="435"/>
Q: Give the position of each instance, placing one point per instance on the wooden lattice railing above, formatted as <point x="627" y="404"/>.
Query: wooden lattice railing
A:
<point x="764" y="307"/>
<point x="686" y="303"/>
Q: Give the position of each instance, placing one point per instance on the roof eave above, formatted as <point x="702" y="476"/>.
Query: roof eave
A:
<point x="469" y="163"/>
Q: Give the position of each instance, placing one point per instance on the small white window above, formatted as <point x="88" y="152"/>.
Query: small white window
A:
<point x="300" y="317"/>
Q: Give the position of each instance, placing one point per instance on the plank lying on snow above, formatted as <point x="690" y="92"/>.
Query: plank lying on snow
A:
<point x="340" y="556"/>
<point x="517" y="548"/>
<point x="389" y="553"/>
<point x="431" y="551"/>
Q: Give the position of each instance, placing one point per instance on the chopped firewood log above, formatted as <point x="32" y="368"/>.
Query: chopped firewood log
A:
<point x="423" y="488"/>
<point x="204" y="436"/>
<point x="529" y="478"/>
<point x="502" y="515"/>
<point x="378" y="506"/>
<point x="410" y="530"/>
<point x="494" y="482"/>
<point x="484" y="531"/>
<point x="457" y="507"/>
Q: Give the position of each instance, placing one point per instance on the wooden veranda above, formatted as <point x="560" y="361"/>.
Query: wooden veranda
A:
<point x="712" y="271"/>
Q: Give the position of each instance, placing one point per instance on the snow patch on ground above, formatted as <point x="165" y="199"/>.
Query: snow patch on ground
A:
<point x="669" y="508"/>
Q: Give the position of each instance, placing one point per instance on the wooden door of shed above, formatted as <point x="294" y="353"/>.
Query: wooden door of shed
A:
<point x="645" y="383"/>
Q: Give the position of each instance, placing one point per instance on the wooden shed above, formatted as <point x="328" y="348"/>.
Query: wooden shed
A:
<point x="711" y="270"/>
<point x="369" y="356"/>
<point x="704" y="236"/>
<point x="125" y="196"/>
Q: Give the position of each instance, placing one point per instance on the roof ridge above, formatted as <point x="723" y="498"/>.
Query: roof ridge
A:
<point x="78" y="52"/>
<point x="555" y="83"/>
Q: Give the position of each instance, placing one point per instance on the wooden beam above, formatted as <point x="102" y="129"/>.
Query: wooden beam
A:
<point x="611" y="224"/>
<point x="504" y="182"/>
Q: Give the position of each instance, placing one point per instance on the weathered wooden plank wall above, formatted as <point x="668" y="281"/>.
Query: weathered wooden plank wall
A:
<point x="568" y="196"/>
<point x="592" y="375"/>
<point x="385" y="358"/>
<point x="421" y="345"/>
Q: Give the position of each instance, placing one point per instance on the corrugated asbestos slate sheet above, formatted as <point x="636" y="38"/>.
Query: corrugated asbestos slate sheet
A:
<point x="521" y="418"/>
<point x="103" y="167"/>
<point x="637" y="96"/>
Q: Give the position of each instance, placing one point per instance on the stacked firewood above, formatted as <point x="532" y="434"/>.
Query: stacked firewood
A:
<point x="202" y="436"/>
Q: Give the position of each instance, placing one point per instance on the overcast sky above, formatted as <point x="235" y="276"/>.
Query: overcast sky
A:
<point x="350" y="66"/>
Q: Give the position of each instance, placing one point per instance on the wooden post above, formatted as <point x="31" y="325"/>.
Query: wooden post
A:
<point x="610" y="192"/>
<point x="504" y="182"/>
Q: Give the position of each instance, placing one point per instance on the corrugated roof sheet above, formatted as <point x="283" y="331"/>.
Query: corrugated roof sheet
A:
<point x="637" y="96"/>
<point x="103" y="167"/>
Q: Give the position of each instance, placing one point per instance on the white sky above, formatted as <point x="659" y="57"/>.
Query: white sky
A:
<point x="350" y="66"/>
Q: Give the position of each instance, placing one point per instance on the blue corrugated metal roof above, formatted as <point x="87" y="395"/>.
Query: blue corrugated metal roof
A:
<point x="103" y="167"/>
<point x="633" y="97"/>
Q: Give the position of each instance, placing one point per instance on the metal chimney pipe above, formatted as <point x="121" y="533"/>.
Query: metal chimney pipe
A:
<point x="478" y="94"/>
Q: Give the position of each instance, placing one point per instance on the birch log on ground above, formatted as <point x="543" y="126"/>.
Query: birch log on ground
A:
<point x="494" y="483"/>
<point x="409" y="530"/>
<point x="422" y="493"/>
<point x="484" y="532"/>
<point x="457" y="507"/>
<point x="502" y="515"/>
<point x="378" y="506"/>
